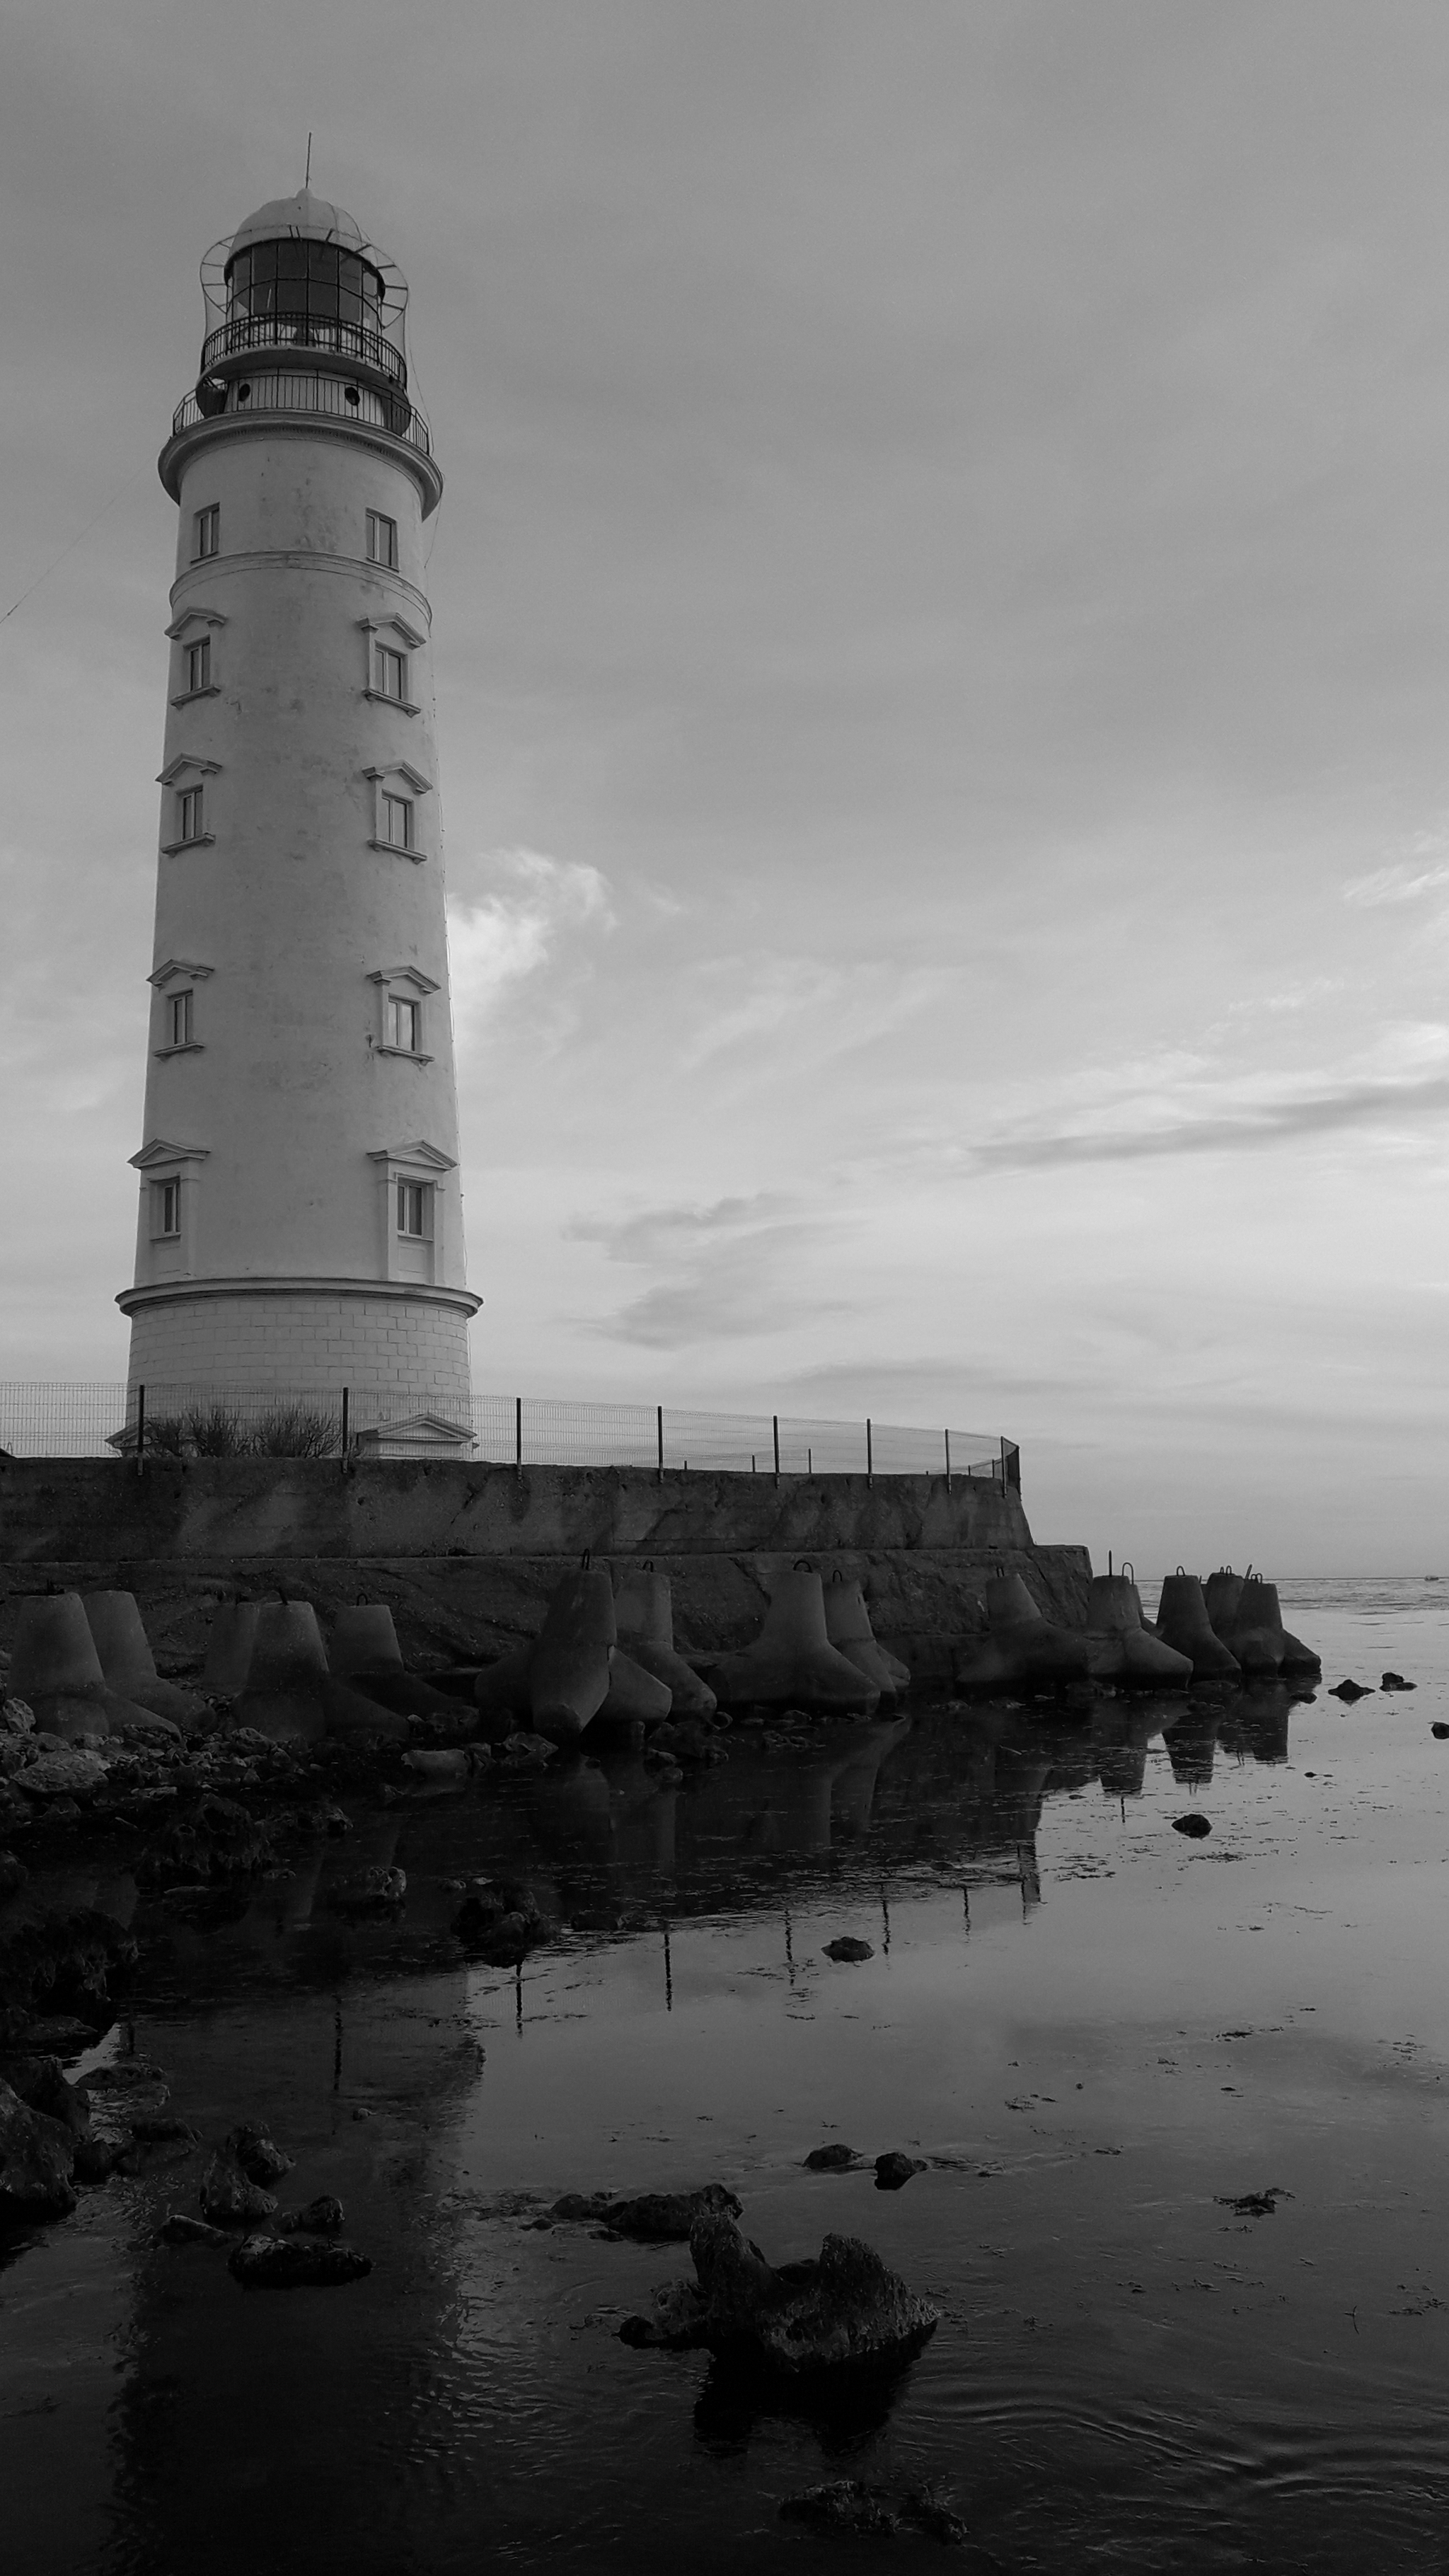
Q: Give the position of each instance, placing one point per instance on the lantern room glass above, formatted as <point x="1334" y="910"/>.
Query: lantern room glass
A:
<point x="302" y="282"/>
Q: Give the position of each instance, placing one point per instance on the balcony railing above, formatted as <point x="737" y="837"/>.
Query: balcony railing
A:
<point x="331" y="396"/>
<point x="292" y="331"/>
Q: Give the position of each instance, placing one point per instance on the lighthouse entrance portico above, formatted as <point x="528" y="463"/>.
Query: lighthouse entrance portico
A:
<point x="300" y="1221"/>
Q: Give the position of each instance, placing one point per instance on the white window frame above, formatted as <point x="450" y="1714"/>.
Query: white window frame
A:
<point x="423" y="1166"/>
<point x="403" y="984"/>
<point x="167" y="1168"/>
<point x="187" y="776"/>
<point x="391" y="636"/>
<point x="198" y="666"/>
<point x="206" y="533"/>
<point x="414" y="1197"/>
<point x="191" y="629"/>
<point x="382" y="545"/>
<point x="390" y="672"/>
<point x="180" y="1016"/>
<point x="404" y="786"/>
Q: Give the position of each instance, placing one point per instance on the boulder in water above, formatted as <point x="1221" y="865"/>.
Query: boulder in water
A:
<point x="844" y="2311"/>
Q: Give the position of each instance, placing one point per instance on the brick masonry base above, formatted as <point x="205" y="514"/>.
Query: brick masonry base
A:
<point x="397" y="1354"/>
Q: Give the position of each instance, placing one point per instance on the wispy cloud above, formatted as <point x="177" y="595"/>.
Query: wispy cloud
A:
<point x="1267" y="1122"/>
<point x="735" y="1269"/>
<point x="1423" y="869"/>
<point x="507" y="932"/>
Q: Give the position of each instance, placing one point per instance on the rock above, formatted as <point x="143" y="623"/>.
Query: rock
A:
<point x="158" y="1734"/>
<point x="215" y="1841"/>
<point x="253" y="2147"/>
<point x="178" y="2229"/>
<point x="1440" y="1729"/>
<point x="42" y="2087"/>
<point x="583" y="2207"/>
<point x="17" y="1717"/>
<point x="95" y="2157"/>
<point x="64" y="1771"/>
<point x="847" y="1948"/>
<point x="1351" y="1691"/>
<point x="894" y="2171"/>
<point x="667" y="2217"/>
<point x="13" y="1875"/>
<point x="35" y="2163"/>
<point x="450" y="1762"/>
<point x="285" y="2263"/>
<point x="837" y="2159"/>
<point x="1395" y="1681"/>
<point x="1194" y="1826"/>
<point x="1255" y="2204"/>
<point x="164" y="2130"/>
<point x="229" y="2200"/>
<point x="849" y="2505"/>
<point x="843" y="2310"/>
<point x="845" y="2504"/>
<point x="369" y="1891"/>
<point x="687" y="1739"/>
<point x="321" y="2217"/>
<point x="521" y="1749"/>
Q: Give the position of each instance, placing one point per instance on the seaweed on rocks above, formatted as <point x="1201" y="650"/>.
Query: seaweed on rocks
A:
<point x="845" y="2310"/>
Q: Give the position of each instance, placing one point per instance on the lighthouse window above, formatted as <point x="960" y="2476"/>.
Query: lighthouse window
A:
<point x="178" y="1019"/>
<point x="166" y="1204"/>
<point x="381" y="540"/>
<point x="207" y="526"/>
<point x="412" y="1208"/>
<point x="404" y="1027"/>
<point x="391" y="673"/>
<point x="189" y="812"/>
<point x="397" y="821"/>
<point x="302" y="282"/>
<point x="198" y="665"/>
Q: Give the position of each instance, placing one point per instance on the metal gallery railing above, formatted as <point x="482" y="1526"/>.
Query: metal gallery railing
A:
<point x="248" y="331"/>
<point x="331" y="396"/>
<point x="54" y="1419"/>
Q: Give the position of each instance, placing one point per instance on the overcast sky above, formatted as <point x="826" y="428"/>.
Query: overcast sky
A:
<point x="941" y="649"/>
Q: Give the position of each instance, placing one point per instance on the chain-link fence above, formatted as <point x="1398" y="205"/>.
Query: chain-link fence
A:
<point x="53" y="1420"/>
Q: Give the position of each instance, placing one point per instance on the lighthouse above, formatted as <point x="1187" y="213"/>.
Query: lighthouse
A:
<point x="300" y="1222"/>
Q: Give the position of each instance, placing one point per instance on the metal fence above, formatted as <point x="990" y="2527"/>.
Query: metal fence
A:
<point x="55" y="1420"/>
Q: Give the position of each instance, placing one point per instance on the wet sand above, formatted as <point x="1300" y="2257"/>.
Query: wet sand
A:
<point x="1097" y="2033"/>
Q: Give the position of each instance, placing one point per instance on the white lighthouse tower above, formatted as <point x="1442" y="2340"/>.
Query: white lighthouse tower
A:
<point x="300" y="1222"/>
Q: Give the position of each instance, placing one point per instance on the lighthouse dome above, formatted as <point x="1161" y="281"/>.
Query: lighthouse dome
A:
<point x="300" y="218"/>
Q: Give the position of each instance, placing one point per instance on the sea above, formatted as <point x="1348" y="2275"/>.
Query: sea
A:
<point x="1180" y="2105"/>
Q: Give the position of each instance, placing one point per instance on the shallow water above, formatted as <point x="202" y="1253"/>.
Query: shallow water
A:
<point x="1097" y="2031"/>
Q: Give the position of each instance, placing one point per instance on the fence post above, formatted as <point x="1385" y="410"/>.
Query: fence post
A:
<point x="346" y="1394"/>
<point x="659" y="1411"/>
<point x="140" y="1428"/>
<point x="775" y="1427"/>
<point x="1003" y="1462"/>
<point x="518" y="1435"/>
<point x="869" y="1454"/>
<point x="948" y="1461"/>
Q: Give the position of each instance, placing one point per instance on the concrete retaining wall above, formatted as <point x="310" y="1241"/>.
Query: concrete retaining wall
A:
<point x="467" y="1556"/>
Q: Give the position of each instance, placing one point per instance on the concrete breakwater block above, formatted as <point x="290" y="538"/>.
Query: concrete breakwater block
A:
<point x="1183" y="1623"/>
<point x="290" y="1696"/>
<point x="55" y="1669"/>
<point x="128" y="1664"/>
<point x="1022" y="1650"/>
<point x="1121" y="1648"/>
<point x="229" y="1648"/>
<point x="644" y="1616"/>
<point x="568" y="1674"/>
<point x="847" y="1625"/>
<point x="792" y="1662"/>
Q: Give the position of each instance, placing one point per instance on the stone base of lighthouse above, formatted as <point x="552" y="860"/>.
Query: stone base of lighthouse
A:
<point x="400" y="1351"/>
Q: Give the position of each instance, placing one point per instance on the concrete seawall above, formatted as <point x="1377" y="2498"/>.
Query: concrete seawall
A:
<point x="467" y="1555"/>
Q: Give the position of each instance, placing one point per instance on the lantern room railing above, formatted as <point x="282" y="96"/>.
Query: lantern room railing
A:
<point x="332" y="396"/>
<point x="291" y="331"/>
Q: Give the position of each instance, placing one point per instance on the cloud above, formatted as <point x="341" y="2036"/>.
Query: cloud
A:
<point x="734" y="1269"/>
<point x="1405" y="879"/>
<point x="1268" y="1122"/>
<point x="508" y="932"/>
